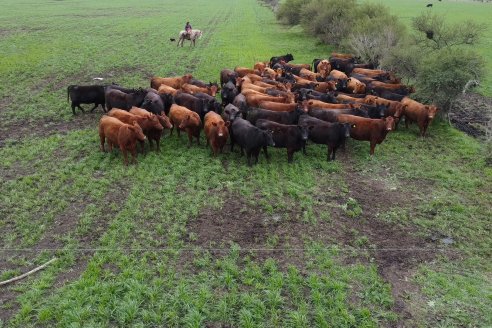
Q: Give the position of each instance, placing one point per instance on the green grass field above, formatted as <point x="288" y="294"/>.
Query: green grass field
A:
<point x="187" y="240"/>
<point x="453" y="11"/>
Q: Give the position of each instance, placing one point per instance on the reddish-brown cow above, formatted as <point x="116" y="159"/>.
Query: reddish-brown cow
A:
<point x="368" y="129"/>
<point x="186" y="120"/>
<point x="153" y="134"/>
<point x="417" y="112"/>
<point x="216" y="131"/>
<point x="174" y="82"/>
<point x="123" y="135"/>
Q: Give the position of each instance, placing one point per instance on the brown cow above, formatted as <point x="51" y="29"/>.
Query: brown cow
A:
<point x="211" y="90"/>
<point x="313" y="103"/>
<point x="310" y="75"/>
<point x="187" y="120"/>
<point x="417" y="112"/>
<point x="344" y="56"/>
<point x="324" y="68"/>
<point x="253" y="100"/>
<point x="243" y="71"/>
<point x="121" y="134"/>
<point x="270" y="73"/>
<point x="153" y="134"/>
<point x="282" y="107"/>
<point x="174" y="82"/>
<point x="165" y="89"/>
<point x="395" y="108"/>
<point x="150" y="123"/>
<point x="305" y="66"/>
<point x="216" y="132"/>
<point x="260" y="66"/>
<point x="355" y="85"/>
<point x="326" y="86"/>
<point x="338" y="75"/>
<point x="368" y="129"/>
<point x="342" y="97"/>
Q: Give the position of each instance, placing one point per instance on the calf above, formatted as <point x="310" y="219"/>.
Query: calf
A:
<point x="121" y="134"/>
<point x="153" y="134"/>
<point x="228" y="75"/>
<point x="213" y="104"/>
<point x="250" y="138"/>
<point x="331" y="134"/>
<point x="216" y="132"/>
<point x="355" y="86"/>
<point x="368" y="129"/>
<point x="86" y="94"/>
<point x="186" y="120"/>
<point x="292" y="137"/>
<point x="119" y="99"/>
<point x="417" y="112"/>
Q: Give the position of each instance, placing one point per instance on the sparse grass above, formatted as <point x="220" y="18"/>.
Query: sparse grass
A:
<point x="125" y="230"/>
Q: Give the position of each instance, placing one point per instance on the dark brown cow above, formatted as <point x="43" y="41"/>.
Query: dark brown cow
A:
<point x="123" y="135"/>
<point x="368" y="129"/>
<point x="216" y="132"/>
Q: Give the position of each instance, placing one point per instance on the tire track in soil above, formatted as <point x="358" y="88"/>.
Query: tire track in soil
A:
<point x="397" y="266"/>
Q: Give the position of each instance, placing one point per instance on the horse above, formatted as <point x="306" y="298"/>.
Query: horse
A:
<point x="195" y="34"/>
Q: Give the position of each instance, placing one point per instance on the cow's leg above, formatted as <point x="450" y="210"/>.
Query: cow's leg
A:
<point x="304" y="149"/>
<point x="190" y="138"/>
<point x="330" y="149"/>
<point x="80" y="107"/>
<point x="248" y="155"/>
<point x="95" y="105"/>
<point x="73" y="108"/>
<point x="142" y="146"/>
<point x="134" y="154"/>
<point x="373" y="146"/>
<point x="290" y="155"/>
<point x="125" y="155"/>
<point x="102" y="138"/>
<point x="266" y="152"/>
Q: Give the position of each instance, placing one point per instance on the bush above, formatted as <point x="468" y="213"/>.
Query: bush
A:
<point x="329" y="20"/>
<point x="374" y="33"/>
<point x="443" y="74"/>
<point x="289" y="12"/>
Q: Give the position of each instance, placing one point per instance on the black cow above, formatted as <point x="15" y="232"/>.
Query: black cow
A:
<point x="230" y="111"/>
<point x="250" y="138"/>
<point x="375" y="111"/>
<point x="292" y="137"/>
<point x="240" y="102"/>
<point x="286" y="58"/>
<point x="213" y="104"/>
<point x="198" y="105"/>
<point x="289" y="118"/>
<point x="429" y="5"/>
<point x="331" y="115"/>
<point x="228" y="93"/>
<point x="121" y="100"/>
<point x="345" y="65"/>
<point x="153" y="102"/>
<point x="228" y="75"/>
<point x="387" y="95"/>
<point x="331" y="134"/>
<point x="316" y="61"/>
<point x="86" y="94"/>
<point x="306" y="94"/>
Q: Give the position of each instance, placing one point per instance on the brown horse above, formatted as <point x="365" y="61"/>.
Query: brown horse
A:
<point x="195" y="34"/>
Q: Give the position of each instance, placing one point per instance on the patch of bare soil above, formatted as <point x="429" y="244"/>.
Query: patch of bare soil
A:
<point x="16" y="131"/>
<point x="399" y="250"/>
<point x="472" y="114"/>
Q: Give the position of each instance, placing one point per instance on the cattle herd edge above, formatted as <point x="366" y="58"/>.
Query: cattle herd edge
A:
<point x="273" y="104"/>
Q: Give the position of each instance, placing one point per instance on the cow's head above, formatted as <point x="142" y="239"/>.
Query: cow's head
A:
<point x="137" y="130"/>
<point x="164" y="120"/>
<point x="389" y="123"/>
<point x="431" y="111"/>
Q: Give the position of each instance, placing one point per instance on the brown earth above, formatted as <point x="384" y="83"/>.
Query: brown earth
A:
<point x="472" y="114"/>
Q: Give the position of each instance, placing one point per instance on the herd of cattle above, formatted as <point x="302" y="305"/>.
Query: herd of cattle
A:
<point x="275" y="103"/>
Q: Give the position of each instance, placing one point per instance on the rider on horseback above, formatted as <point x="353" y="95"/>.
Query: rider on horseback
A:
<point x="188" y="28"/>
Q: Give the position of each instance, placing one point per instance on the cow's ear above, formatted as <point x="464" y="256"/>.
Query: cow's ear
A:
<point x="188" y="117"/>
<point x="353" y="126"/>
<point x="349" y="79"/>
<point x="227" y="124"/>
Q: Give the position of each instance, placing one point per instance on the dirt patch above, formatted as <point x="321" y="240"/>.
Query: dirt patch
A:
<point x="398" y="250"/>
<point x="472" y="114"/>
<point x="15" y="132"/>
